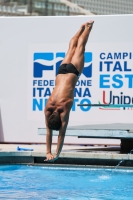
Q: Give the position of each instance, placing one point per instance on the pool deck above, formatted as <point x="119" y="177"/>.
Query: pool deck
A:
<point x="71" y="154"/>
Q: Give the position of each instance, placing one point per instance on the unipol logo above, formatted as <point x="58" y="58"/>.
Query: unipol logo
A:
<point x="48" y="61"/>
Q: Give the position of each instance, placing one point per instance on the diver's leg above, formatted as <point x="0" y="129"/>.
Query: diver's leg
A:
<point x="78" y="57"/>
<point x="72" y="46"/>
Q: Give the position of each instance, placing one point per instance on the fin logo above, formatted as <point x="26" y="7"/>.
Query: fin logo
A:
<point x="50" y="61"/>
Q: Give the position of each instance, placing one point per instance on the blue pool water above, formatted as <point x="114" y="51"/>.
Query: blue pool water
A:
<point x="40" y="183"/>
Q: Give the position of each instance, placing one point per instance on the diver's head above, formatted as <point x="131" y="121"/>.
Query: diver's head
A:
<point x="54" y="121"/>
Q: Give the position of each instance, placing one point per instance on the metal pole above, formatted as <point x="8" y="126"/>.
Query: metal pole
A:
<point x="68" y="11"/>
<point x="108" y="105"/>
<point x="53" y="9"/>
<point x="30" y="7"/>
<point x="46" y="7"/>
<point x="96" y="105"/>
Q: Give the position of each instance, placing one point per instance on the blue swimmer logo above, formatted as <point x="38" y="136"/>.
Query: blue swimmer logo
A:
<point x="87" y="71"/>
<point x="42" y="61"/>
<point x="46" y="61"/>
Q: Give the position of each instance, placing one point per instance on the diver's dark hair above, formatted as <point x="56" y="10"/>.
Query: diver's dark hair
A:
<point x="54" y="121"/>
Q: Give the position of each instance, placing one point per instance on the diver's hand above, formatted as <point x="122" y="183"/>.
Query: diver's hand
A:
<point x="49" y="157"/>
<point x="56" y="157"/>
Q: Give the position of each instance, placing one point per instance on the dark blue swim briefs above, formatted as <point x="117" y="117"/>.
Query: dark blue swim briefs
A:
<point x="68" y="68"/>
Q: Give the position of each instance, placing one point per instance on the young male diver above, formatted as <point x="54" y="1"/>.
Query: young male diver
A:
<point x="59" y="104"/>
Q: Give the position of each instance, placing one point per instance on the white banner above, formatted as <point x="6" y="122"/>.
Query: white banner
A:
<point x="31" y="50"/>
<point x="107" y="78"/>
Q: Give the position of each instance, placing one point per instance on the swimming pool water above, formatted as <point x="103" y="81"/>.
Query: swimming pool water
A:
<point x="40" y="183"/>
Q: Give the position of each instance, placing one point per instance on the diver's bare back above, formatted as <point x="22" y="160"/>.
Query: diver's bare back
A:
<point x="63" y="92"/>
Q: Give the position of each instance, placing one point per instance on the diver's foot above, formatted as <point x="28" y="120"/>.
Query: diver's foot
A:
<point x="89" y="24"/>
